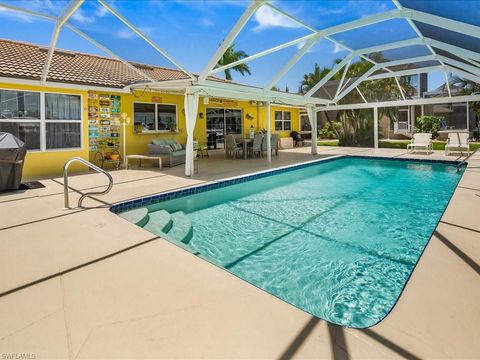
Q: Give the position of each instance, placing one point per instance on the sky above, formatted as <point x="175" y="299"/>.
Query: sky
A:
<point x="191" y="30"/>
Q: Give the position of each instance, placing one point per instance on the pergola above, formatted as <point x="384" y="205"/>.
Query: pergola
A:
<point x="453" y="47"/>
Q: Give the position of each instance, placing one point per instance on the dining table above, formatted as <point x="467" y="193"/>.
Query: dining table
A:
<point x="245" y="141"/>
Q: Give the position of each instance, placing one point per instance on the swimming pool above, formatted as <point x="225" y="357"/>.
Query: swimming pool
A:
<point x="338" y="239"/>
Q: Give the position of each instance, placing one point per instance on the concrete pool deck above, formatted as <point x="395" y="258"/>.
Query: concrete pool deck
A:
<point x="86" y="284"/>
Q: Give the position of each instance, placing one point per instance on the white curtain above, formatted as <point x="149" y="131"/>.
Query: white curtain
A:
<point x="191" y="109"/>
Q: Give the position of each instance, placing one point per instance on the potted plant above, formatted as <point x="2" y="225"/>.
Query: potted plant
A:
<point x="170" y="124"/>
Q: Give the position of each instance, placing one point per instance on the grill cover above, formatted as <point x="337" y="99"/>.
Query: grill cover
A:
<point x="12" y="154"/>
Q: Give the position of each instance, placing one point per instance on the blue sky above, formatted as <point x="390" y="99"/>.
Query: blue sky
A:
<point x="191" y="30"/>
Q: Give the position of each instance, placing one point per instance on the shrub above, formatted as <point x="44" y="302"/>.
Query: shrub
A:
<point x="428" y="124"/>
<point x="327" y="132"/>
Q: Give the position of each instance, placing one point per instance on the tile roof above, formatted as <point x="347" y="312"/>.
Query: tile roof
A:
<point x="26" y="61"/>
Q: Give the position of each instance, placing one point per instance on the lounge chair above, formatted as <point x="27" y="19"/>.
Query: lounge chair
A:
<point x="231" y="147"/>
<point x="421" y="141"/>
<point x="457" y="142"/>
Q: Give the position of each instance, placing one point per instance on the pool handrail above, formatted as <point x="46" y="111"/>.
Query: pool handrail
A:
<point x="91" y="166"/>
<point x="464" y="161"/>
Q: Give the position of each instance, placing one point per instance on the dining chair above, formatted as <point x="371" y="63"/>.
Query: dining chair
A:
<point x="256" y="147"/>
<point x="274" y="144"/>
<point x="231" y="147"/>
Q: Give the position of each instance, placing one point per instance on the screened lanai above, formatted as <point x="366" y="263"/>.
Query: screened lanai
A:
<point x="374" y="42"/>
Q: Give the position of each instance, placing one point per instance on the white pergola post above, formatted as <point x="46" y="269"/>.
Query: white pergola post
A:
<point x="191" y="109"/>
<point x="312" y="115"/>
<point x="269" y="133"/>
<point x="375" y="127"/>
<point x="468" y="116"/>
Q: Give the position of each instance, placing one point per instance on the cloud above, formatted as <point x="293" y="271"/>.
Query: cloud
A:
<point x="300" y="45"/>
<point x="267" y="18"/>
<point x="101" y="11"/>
<point x="81" y="17"/>
<point x="338" y="49"/>
<point x="16" y="15"/>
<point x="125" y="33"/>
<point x="206" y="22"/>
<point x="332" y="11"/>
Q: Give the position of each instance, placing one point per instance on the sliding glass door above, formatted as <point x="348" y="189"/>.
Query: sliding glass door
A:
<point x="222" y="122"/>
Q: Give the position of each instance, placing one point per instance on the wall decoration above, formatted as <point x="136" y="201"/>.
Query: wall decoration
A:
<point x="104" y="122"/>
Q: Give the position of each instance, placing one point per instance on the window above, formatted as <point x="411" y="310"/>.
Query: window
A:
<point x="63" y="121"/>
<point x="20" y="116"/>
<point x="144" y="115"/>
<point x="57" y="126"/>
<point x="166" y="117"/>
<point x="283" y="120"/>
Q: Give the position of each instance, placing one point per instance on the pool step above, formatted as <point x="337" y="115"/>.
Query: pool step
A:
<point x="138" y="216"/>
<point x="182" y="229"/>
<point x="160" y="221"/>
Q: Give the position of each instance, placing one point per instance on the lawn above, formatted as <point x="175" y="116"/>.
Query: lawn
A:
<point x="402" y="144"/>
<point x="329" y="142"/>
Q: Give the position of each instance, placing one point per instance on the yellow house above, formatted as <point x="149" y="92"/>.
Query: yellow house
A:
<point x="80" y="105"/>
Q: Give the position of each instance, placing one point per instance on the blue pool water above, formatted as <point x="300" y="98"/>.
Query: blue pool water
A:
<point x="337" y="239"/>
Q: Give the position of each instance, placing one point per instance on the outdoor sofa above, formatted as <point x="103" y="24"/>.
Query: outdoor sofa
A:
<point x="171" y="152"/>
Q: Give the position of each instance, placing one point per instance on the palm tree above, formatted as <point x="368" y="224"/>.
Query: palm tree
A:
<point x="311" y="79"/>
<point x="377" y="90"/>
<point x="231" y="55"/>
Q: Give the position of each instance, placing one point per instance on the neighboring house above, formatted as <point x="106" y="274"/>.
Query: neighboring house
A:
<point x="79" y="107"/>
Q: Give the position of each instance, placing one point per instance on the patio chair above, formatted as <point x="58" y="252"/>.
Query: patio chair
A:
<point x="201" y="148"/>
<point x="421" y="141"/>
<point x="274" y="144"/>
<point x="457" y="142"/>
<point x="256" y="147"/>
<point x="264" y="145"/>
<point x="231" y="147"/>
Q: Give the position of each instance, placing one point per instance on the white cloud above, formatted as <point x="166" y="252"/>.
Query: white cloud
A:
<point x="206" y="22"/>
<point x="16" y="15"/>
<point x="101" y="11"/>
<point x="125" y="33"/>
<point x="338" y="49"/>
<point x="266" y="18"/>
<point x="81" y="17"/>
<point x="300" y="45"/>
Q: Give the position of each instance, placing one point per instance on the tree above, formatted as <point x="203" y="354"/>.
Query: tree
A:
<point x="311" y="79"/>
<point x="354" y="129"/>
<point x="231" y="55"/>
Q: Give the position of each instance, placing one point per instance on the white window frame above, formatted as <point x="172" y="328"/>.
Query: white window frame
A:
<point x="283" y="120"/>
<point x="396" y="130"/>
<point x="156" y="131"/>
<point x="42" y="121"/>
